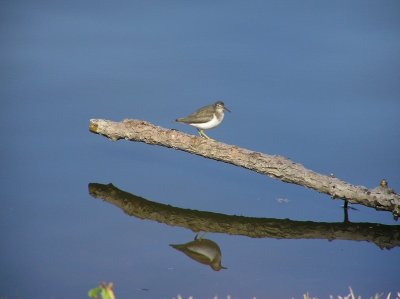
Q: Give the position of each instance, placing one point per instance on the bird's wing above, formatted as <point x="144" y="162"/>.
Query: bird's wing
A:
<point x="200" y="116"/>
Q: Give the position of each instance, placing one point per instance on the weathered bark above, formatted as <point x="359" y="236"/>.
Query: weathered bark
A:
<point x="278" y="167"/>
<point x="384" y="236"/>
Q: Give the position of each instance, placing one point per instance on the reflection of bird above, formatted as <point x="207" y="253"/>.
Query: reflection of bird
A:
<point x="204" y="251"/>
<point x="206" y="118"/>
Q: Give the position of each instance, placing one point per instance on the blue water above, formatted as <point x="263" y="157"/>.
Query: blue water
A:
<point x="315" y="82"/>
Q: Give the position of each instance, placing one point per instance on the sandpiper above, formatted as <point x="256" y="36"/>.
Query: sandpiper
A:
<point x="206" y="118"/>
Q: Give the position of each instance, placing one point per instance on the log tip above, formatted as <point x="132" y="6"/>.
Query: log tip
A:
<point x="93" y="126"/>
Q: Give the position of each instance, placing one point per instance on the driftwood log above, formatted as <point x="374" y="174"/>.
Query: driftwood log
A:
<point x="380" y="198"/>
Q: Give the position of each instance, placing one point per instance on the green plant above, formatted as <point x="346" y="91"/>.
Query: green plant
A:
<point x="103" y="291"/>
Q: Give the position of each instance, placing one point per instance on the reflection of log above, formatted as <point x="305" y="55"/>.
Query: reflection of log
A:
<point x="273" y="166"/>
<point x="385" y="236"/>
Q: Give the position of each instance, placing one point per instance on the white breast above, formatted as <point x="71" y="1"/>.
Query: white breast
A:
<point x="210" y="124"/>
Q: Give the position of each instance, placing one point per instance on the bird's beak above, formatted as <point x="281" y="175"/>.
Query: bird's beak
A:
<point x="227" y="109"/>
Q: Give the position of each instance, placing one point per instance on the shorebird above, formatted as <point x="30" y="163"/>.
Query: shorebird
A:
<point x="206" y="118"/>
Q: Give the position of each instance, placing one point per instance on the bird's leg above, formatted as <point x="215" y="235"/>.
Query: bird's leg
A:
<point x="200" y="235"/>
<point x="202" y="134"/>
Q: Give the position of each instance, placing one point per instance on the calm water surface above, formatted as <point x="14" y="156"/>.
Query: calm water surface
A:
<point x="317" y="83"/>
